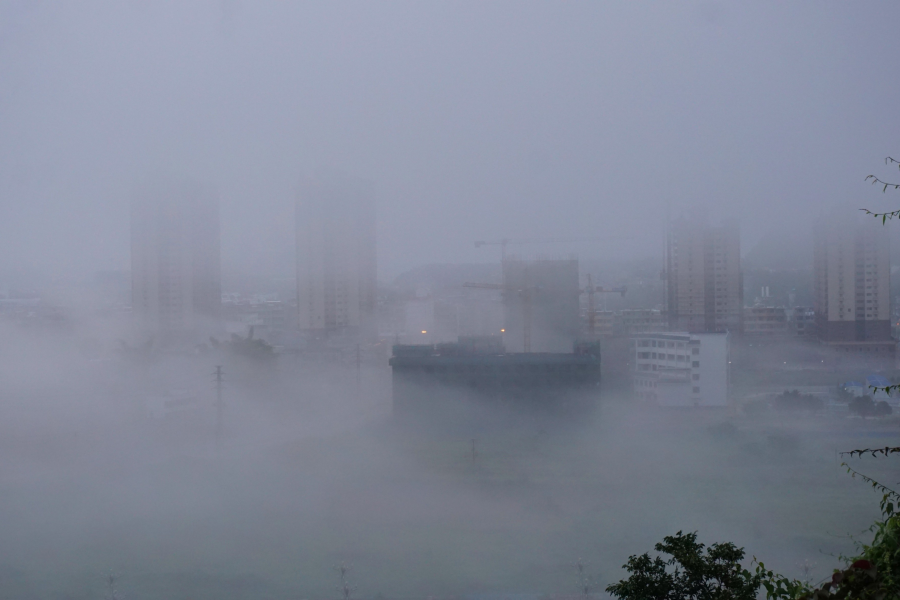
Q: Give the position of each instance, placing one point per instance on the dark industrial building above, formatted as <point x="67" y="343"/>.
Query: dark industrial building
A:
<point x="476" y="375"/>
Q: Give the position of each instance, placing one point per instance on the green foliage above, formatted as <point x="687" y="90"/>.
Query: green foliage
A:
<point x="779" y="587"/>
<point x="872" y="575"/>
<point x="694" y="572"/>
<point x="875" y="573"/>
<point x="885" y="185"/>
<point x="883" y="554"/>
<point x="716" y="574"/>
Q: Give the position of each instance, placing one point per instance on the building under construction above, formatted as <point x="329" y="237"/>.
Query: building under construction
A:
<point x="540" y="305"/>
<point x="477" y="374"/>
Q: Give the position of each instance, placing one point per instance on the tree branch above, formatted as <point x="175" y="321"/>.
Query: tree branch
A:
<point x="875" y="484"/>
<point x="885" y="185"/>
<point x="873" y="451"/>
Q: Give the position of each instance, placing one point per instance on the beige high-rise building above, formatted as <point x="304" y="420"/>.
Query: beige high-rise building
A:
<point x="336" y="262"/>
<point x="704" y="291"/>
<point x="175" y="259"/>
<point x="852" y="278"/>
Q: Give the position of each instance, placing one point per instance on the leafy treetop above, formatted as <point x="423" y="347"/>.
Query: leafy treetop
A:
<point x="694" y="572"/>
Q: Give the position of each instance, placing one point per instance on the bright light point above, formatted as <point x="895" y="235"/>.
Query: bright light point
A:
<point x="502" y="331"/>
<point x="423" y="331"/>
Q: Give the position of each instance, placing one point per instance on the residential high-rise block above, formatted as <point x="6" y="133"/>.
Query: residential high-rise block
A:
<point x="336" y="262"/>
<point x="852" y="279"/>
<point x="705" y="292"/>
<point x="175" y="259"/>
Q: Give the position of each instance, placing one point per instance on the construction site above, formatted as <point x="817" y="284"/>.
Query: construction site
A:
<point x="538" y="361"/>
<point x="477" y="375"/>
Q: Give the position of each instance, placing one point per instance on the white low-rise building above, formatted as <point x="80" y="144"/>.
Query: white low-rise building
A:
<point x="681" y="369"/>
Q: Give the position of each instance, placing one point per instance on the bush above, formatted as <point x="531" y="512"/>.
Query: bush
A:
<point x="693" y="572"/>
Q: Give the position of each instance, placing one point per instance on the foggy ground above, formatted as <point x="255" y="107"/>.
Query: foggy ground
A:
<point x="310" y="473"/>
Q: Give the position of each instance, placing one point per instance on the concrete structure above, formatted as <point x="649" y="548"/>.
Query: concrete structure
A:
<point x="852" y="278"/>
<point x="682" y="369"/>
<point x="336" y="264"/>
<point x="802" y="320"/>
<point x="765" y="320"/>
<point x="704" y="285"/>
<point x="638" y="320"/>
<point x="604" y="322"/>
<point x="624" y="322"/>
<point x="454" y="378"/>
<point x="175" y="259"/>
<point x="554" y="304"/>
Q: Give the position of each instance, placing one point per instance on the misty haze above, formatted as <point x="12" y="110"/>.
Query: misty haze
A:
<point x="448" y="300"/>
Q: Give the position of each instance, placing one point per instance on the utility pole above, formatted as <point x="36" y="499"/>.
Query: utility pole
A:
<point x="219" y="379"/>
<point x="358" y="365"/>
<point x="474" y="452"/>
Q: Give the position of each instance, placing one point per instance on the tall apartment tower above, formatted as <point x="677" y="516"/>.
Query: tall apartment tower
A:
<point x="852" y="277"/>
<point x="705" y="290"/>
<point x="175" y="259"/>
<point x="336" y="264"/>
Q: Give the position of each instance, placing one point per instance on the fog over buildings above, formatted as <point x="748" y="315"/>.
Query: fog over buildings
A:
<point x="704" y="284"/>
<point x="463" y="300"/>
<point x="176" y="286"/>
<point x="336" y="257"/>
<point x="852" y="280"/>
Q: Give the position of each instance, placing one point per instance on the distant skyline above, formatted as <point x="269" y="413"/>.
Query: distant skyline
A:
<point x="473" y="120"/>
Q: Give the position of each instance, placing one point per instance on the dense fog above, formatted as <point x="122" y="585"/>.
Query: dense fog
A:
<point x="291" y="288"/>
<point x="311" y="471"/>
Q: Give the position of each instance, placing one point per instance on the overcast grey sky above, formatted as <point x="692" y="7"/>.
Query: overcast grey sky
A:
<point x="475" y="120"/>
